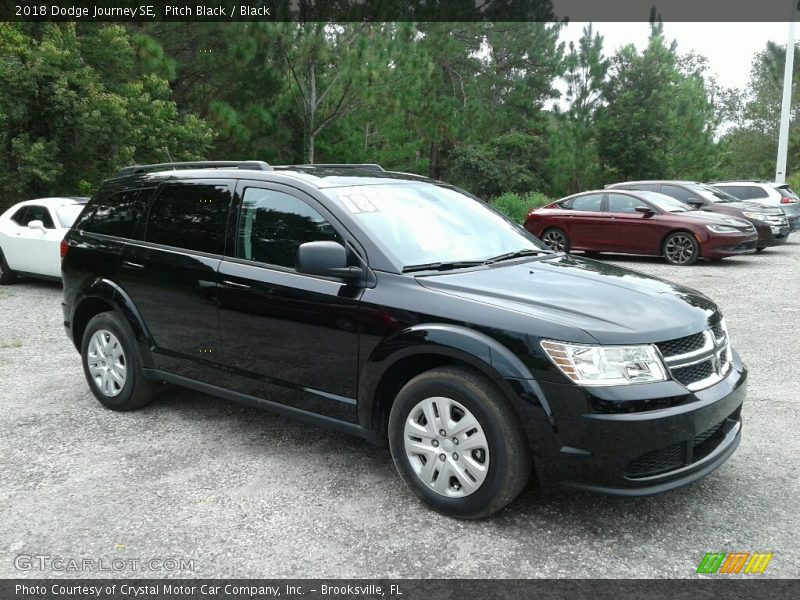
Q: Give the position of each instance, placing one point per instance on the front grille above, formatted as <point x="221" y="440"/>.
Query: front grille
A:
<point x="718" y="331"/>
<point x="658" y="461"/>
<point x="683" y="345"/>
<point x="694" y="373"/>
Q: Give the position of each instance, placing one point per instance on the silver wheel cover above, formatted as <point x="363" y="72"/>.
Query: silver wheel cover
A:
<point x="107" y="364"/>
<point x="446" y="447"/>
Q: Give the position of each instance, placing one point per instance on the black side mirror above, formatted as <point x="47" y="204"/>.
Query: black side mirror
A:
<point x="696" y="203"/>
<point x="645" y="210"/>
<point x="328" y="259"/>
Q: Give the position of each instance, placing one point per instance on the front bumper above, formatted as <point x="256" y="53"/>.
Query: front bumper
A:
<point x="597" y="446"/>
<point x="771" y="235"/>
<point x="728" y="245"/>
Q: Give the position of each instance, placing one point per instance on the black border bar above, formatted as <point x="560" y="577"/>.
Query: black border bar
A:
<point x="398" y="10"/>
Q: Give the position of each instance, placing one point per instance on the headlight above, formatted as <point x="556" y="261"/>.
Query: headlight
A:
<point x="606" y="365"/>
<point x="722" y="228"/>
<point x="755" y="216"/>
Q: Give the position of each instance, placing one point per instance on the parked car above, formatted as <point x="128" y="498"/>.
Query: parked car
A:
<point x="404" y="311"/>
<point x="30" y="234"/>
<point x="639" y="222"/>
<point x="770" y="222"/>
<point x="766" y="193"/>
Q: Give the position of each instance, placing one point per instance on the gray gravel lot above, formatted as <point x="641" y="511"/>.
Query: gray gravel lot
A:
<point x="248" y="494"/>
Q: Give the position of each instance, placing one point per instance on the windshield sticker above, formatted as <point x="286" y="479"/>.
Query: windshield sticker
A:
<point x="358" y="203"/>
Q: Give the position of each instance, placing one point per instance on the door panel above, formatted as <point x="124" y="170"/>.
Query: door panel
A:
<point x="172" y="275"/>
<point x="630" y="231"/>
<point x="586" y="222"/>
<point x="287" y="337"/>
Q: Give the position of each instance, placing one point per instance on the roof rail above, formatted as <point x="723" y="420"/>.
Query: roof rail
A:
<point x="735" y="180"/>
<point x="253" y="165"/>
<point x="363" y="166"/>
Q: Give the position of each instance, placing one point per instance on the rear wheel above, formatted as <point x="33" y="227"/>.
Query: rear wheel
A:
<point x="556" y="239"/>
<point x="680" y="248"/>
<point x="761" y="249"/>
<point x="457" y="444"/>
<point x="111" y="366"/>
<point x="7" y="276"/>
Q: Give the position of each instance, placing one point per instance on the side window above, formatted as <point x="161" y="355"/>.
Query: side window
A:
<point x="756" y="193"/>
<point x="273" y="224"/>
<point x="19" y="217"/>
<point x="677" y="192"/>
<point x="621" y="203"/>
<point x="735" y="190"/>
<point x="115" y="214"/>
<point x="190" y="215"/>
<point x="647" y="187"/>
<point x="589" y="202"/>
<point x="29" y="213"/>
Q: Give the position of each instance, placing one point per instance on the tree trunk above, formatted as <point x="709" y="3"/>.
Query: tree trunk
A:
<point x="311" y="113"/>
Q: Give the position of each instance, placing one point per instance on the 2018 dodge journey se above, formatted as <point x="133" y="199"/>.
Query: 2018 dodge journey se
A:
<point x="406" y="311"/>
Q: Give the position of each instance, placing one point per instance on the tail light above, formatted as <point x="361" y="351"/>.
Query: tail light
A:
<point x="63" y="248"/>
<point x="788" y="200"/>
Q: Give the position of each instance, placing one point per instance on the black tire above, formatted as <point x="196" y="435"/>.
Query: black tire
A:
<point x="681" y="248"/>
<point x="136" y="390"/>
<point x="508" y="460"/>
<point x="7" y="276"/>
<point x="759" y="250"/>
<point x="556" y="239"/>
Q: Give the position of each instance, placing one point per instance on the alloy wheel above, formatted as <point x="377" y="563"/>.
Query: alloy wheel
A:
<point x="107" y="364"/>
<point x="446" y="447"/>
<point x="555" y="240"/>
<point x="679" y="249"/>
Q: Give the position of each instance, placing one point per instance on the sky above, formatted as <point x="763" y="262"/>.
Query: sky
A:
<point x="729" y="47"/>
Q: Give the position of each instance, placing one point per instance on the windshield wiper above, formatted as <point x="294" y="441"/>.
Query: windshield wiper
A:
<point x="443" y="266"/>
<point x="517" y="254"/>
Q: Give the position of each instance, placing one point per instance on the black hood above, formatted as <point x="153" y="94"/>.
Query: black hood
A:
<point x="612" y="304"/>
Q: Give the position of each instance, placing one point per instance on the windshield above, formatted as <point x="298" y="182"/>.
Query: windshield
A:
<point x="68" y="214"/>
<point x="712" y="194"/>
<point x="422" y="223"/>
<point x="664" y="202"/>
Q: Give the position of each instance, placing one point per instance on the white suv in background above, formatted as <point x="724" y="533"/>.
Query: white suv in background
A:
<point x="768" y="193"/>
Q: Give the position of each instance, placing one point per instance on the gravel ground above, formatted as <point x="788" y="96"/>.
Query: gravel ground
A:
<point x="244" y="493"/>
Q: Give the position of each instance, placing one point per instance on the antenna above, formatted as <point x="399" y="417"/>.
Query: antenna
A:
<point x="169" y="158"/>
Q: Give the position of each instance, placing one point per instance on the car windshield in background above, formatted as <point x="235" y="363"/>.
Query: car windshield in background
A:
<point x="713" y="194"/>
<point x="663" y="202"/>
<point x="421" y="224"/>
<point x="68" y="214"/>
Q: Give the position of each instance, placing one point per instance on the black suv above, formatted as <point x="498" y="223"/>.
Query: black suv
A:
<point x="406" y="311"/>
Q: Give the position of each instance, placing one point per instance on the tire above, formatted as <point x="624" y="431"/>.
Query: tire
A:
<point x="7" y="276"/>
<point x="760" y="250"/>
<point x="681" y="248"/>
<point x="108" y="333"/>
<point x="556" y="239"/>
<point x="484" y="478"/>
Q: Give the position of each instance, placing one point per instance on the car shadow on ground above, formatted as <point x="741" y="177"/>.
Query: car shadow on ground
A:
<point x="633" y="260"/>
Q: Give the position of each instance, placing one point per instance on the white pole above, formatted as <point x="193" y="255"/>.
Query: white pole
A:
<point x="786" y="105"/>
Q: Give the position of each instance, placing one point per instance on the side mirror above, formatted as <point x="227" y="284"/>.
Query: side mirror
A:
<point x="36" y="225"/>
<point x="328" y="259"/>
<point x="645" y="210"/>
<point x="695" y="202"/>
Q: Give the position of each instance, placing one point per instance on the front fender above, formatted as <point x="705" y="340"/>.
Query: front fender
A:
<point x="458" y="343"/>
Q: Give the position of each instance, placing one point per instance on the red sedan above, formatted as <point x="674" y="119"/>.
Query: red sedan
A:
<point x="640" y="222"/>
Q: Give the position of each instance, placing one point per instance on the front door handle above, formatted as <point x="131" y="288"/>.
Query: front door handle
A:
<point x="132" y="265"/>
<point x="233" y="284"/>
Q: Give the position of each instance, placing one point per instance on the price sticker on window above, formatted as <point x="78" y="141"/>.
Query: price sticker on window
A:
<point x="358" y="203"/>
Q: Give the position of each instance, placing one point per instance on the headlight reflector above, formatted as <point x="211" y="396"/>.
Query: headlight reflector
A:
<point x="606" y="365"/>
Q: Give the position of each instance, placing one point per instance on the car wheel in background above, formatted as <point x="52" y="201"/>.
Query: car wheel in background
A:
<point x="761" y="249"/>
<point x="7" y="276"/>
<point x="111" y="365"/>
<point x="457" y="444"/>
<point x="680" y="248"/>
<point x="556" y="239"/>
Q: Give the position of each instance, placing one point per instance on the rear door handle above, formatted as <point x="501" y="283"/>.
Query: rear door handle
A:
<point x="132" y="265"/>
<point x="233" y="284"/>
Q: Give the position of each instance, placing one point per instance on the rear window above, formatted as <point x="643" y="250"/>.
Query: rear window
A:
<point x="190" y="215"/>
<point x="67" y="215"/>
<point x="115" y="214"/>
<point x="787" y="191"/>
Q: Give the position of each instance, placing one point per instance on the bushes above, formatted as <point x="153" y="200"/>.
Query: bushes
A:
<point x="517" y="206"/>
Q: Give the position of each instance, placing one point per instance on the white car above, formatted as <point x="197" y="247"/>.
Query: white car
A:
<point x="31" y="234"/>
<point x="767" y="193"/>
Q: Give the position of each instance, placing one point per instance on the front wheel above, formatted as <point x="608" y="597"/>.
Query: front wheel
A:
<point x="681" y="248"/>
<point x="111" y="365"/>
<point x="457" y="444"/>
<point x="556" y="239"/>
<point x="7" y="276"/>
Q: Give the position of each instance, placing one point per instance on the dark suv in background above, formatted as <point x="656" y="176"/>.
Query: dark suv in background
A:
<point x="771" y="223"/>
<point x="405" y="311"/>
